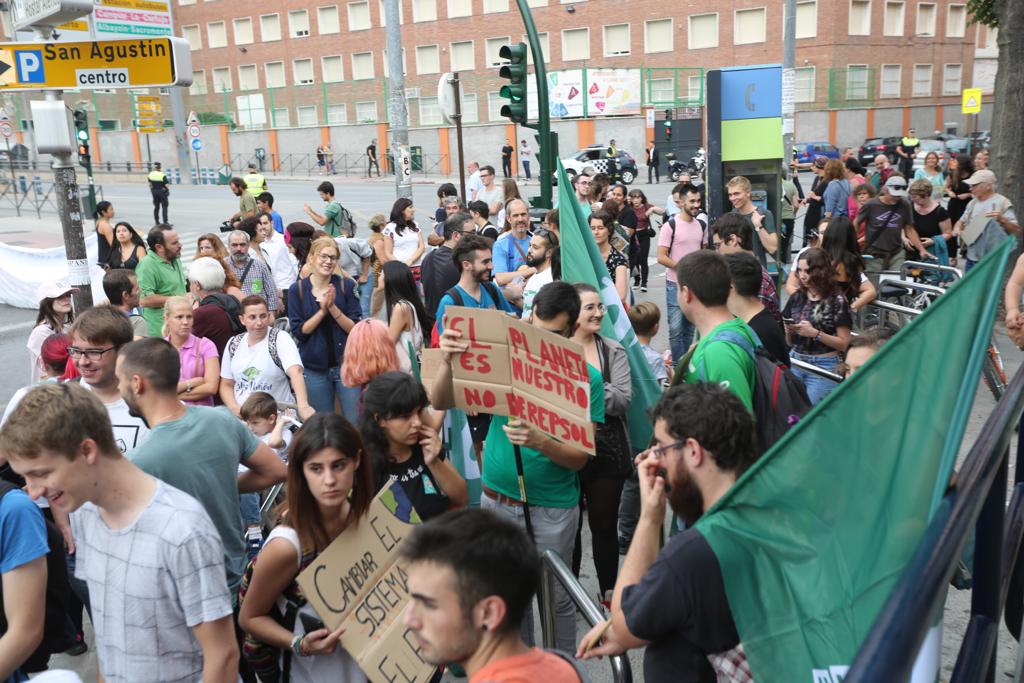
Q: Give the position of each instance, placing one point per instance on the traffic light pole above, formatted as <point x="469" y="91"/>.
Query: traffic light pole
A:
<point x="548" y="140"/>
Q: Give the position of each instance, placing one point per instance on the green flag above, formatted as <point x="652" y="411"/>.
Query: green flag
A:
<point x="812" y="539"/>
<point x="582" y="262"/>
<point x="459" y="442"/>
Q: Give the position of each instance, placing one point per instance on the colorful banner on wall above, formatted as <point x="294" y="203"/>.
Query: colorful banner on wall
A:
<point x="575" y="93"/>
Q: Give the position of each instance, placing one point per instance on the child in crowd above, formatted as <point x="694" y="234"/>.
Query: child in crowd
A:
<point x="646" y="320"/>
<point x="259" y="412"/>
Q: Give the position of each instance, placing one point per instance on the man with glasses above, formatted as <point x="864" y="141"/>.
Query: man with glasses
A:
<point x="672" y="600"/>
<point x="439" y="272"/>
<point x="491" y="193"/>
<point x="541" y="257"/>
<point x="582" y="185"/>
<point x="254" y="274"/>
<point x="683" y="234"/>
<point x="275" y="253"/>
<point x="731" y="234"/>
<point x="160" y="275"/>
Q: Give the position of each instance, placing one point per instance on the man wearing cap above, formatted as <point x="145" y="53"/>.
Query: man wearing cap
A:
<point x="887" y="225"/>
<point x="255" y="183"/>
<point x="159" y="188"/>
<point x="987" y="219"/>
<point x="907" y="150"/>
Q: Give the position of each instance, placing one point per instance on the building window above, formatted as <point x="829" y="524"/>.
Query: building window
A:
<point x="537" y="3"/>
<point x="661" y="91"/>
<point x="424" y="10"/>
<point x="222" y="79"/>
<point x="401" y="13"/>
<point x="302" y="71"/>
<point x="951" y="79"/>
<point x="494" y="104"/>
<point x="925" y="19"/>
<point x="327" y="20"/>
<point x="270" y="27"/>
<point x="860" y="17"/>
<point x="193" y="35"/>
<point x="362" y="66"/>
<point x="248" y="79"/>
<point x="491" y="49"/>
<point x="366" y="112"/>
<point x="469" y="108"/>
<point x="358" y="16"/>
<point x="186" y="2"/>
<point x="273" y="72"/>
<point x="695" y="89"/>
<point x="891" y="77"/>
<point x="460" y="8"/>
<point x="337" y="114"/>
<point x="803" y="84"/>
<point x="616" y="40"/>
<point x="658" y="36"/>
<point x="857" y="82"/>
<point x="575" y="44"/>
<point x="703" y="31"/>
<point x="493" y="6"/>
<point x="243" y="31"/>
<point x="922" y="80"/>
<point x="307" y="115"/>
<point x="893" y="18"/>
<point x="333" y="70"/>
<point x="198" y="86"/>
<point x="956" y="21"/>
<point x="280" y="118"/>
<point x="430" y="112"/>
<point x="216" y="34"/>
<point x="298" y="23"/>
<point x="807" y="19"/>
<point x="750" y="26"/>
<point x="462" y="56"/>
<point x="384" y="60"/>
<point x="545" y="48"/>
<point x="428" y="59"/>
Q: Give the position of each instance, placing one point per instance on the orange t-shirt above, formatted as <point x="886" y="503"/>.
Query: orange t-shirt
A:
<point x="531" y="667"/>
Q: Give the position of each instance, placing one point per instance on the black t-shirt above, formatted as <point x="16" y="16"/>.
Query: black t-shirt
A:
<point x="771" y="334"/>
<point x="417" y="482"/>
<point x="371" y="151"/>
<point x="488" y="231"/>
<point x="506" y="152"/>
<point x="927" y="224"/>
<point x="884" y="224"/>
<point x="680" y="606"/>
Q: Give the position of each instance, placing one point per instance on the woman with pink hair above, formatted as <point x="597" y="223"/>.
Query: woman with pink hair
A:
<point x="368" y="353"/>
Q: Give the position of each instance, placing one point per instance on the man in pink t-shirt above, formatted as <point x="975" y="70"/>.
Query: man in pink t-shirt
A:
<point x="683" y="234"/>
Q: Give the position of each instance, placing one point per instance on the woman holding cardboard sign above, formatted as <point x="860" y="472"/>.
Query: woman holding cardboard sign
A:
<point x="330" y="486"/>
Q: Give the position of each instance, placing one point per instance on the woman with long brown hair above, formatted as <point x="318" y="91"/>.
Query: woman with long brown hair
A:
<point x="211" y="245"/>
<point x="330" y="486"/>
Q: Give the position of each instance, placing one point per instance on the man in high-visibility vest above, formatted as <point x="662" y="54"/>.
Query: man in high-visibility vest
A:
<point x="159" y="186"/>
<point x="255" y="183"/>
<point x="907" y="150"/>
<point x="612" y="155"/>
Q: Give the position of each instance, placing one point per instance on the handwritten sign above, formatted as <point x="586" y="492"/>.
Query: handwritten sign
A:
<point x="513" y="368"/>
<point x="430" y="363"/>
<point x="359" y="582"/>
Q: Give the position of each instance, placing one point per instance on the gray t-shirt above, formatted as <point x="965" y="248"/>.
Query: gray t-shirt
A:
<point x="768" y="223"/>
<point x="495" y="194"/>
<point x="993" y="233"/>
<point x="150" y="584"/>
<point x="353" y="250"/>
<point x="199" y="453"/>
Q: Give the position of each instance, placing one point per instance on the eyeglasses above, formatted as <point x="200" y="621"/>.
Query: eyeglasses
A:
<point x="89" y="354"/>
<point x="660" y="451"/>
<point x="326" y="258"/>
<point x="549" y="235"/>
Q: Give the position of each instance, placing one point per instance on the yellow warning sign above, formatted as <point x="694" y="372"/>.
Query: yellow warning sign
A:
<point x="972" y="101"/>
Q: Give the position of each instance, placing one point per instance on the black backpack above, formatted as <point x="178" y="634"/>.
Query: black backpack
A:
<point x="58" y="634"/>
<point x="780" y="399"/>
<point x="229" y="305"/>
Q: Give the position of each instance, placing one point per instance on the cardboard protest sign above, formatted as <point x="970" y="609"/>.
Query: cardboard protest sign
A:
<point x="430" y="363"/>
<point x="357" y="581"/>
<point x="515" y="369"/>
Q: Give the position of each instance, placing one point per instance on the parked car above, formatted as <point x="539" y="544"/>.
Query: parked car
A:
<point x="589" y="156"/>
<point x="980" y="139"/>
<point x="18" y="154"/>
<point x="957" y="145"/>
<point x="804" y="152"/>
<point x="872" y="147"/>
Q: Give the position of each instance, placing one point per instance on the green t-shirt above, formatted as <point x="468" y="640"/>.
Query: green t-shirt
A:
<point x="247" y="205"/>
<point x="725" y="363"/>
<point x="333" y="225"/>
<point x="157" y="276"/>
<point x="199" y="454"/>
<point x="547" y="484"/>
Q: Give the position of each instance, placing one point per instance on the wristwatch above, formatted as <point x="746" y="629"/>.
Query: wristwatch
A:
<point x="297" y="646"/>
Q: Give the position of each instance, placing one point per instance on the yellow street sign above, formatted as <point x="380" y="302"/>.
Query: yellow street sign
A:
<point x="151" y="130"/>
<point x="972" y="101"/>
<point x="92" y="65"/>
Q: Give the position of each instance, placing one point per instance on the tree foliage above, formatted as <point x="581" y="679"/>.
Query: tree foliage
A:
<point x="983" y="12"/>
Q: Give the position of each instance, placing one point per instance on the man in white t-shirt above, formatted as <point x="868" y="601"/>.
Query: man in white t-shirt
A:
<point x="473" y="184"/>
<point x="681" y="235"/>
<point x="275" y="252"/>
<point x="543" y="245"/>
<point x="491" y="193"/>
<point x="262" y="359"/>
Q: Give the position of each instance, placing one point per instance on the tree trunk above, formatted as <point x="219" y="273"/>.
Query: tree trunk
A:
<point x="1007" y="153"/>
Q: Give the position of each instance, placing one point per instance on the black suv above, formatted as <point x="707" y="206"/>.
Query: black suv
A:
<point x="872" y="147"/>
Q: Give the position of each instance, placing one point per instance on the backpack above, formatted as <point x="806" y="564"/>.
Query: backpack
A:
<point x="58" y="634"/>
<point x="271" y="346"/>
<point x="348" y="223"/>
<point x="705" y="239"/>
<point x="457" y="300"/>
<point x="780" y="399"/>
<point x="229" y="305"/>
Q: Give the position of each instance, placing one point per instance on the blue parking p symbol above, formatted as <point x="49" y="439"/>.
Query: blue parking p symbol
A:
<point x="30" y="66"/>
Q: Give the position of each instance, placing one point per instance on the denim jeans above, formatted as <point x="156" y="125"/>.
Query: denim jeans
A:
<point x="680" y="330"/>
<point x="323" y="386"/>
<point x="250" y="506"/>
<point x="365" y="294"/>
<point x="553" y="528"/>
<point x="817" y="387"/>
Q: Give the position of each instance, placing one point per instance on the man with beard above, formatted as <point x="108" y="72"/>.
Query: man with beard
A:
<point x="160" y="275"/>
<point x="540" y="256"/>
<point x="254" y="275"/>
<point x="439" y="272"/>
<point x="246" y="202"/>
<point x="673" y="601"/>
<point x="510" y="250"/>
<point x="468" y="598"/>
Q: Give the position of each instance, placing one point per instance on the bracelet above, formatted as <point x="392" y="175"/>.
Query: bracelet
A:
<point x="297" y="646"/>
<point x="817" y="337"/>
<point x="188" y="387"/>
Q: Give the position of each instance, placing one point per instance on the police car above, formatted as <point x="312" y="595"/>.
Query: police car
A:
<point x="596" y="157"/>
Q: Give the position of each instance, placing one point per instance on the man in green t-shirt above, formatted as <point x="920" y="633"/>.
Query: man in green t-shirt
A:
<point x="704" y="283"/>
<point x="159" y="275"/>
<point x="330" y="220"/>
<point x="549" y="466"/>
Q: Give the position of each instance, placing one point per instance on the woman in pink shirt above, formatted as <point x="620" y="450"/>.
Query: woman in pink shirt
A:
<point x="199" y="380"/>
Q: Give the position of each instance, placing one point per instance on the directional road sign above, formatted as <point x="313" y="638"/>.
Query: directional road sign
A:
<point x="972" y="101"/>
<point x="144" y="62"/>
<point x="27" y="13"/>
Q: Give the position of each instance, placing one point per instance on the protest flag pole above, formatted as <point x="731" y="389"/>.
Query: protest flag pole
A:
<point x="522" y="491"/>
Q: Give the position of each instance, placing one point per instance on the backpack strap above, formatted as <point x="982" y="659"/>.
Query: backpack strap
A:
<point x="580" y="671"/>
<point x="234" y="342"/>
<point x="245" y="271"/>
<point x="272" y="347"/>
<point x="733" y="338"/>
<point x="492" y="290"/>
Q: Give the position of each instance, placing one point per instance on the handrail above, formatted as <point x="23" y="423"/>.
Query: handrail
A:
<point x="924" y="265"/>
<point x="920" y="286"/>
<point x="815" y="370"/>
<point x="889" y="650"/>
<point x="554" y="568"/>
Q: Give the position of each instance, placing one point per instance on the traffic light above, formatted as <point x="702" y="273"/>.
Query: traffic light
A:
<point x="81" y="120"/>
<point x="515" y="91"/>
<point x="668" y="125"/>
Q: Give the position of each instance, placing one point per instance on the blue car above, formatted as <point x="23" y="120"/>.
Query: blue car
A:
<point x="804" y="152"/>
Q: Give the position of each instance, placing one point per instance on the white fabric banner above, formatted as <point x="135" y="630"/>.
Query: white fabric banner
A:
<point x="23" y="269"/>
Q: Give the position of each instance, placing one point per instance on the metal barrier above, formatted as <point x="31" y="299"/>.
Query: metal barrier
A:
<point x="555" y="569"/>
<point x="925" y="265"/>
<point x="889" y="651"/>
<point x="815" y="370"/>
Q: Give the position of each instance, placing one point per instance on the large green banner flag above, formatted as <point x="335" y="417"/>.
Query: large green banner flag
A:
<point x="812" y="539"/>
<point x="582" y="262"/>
